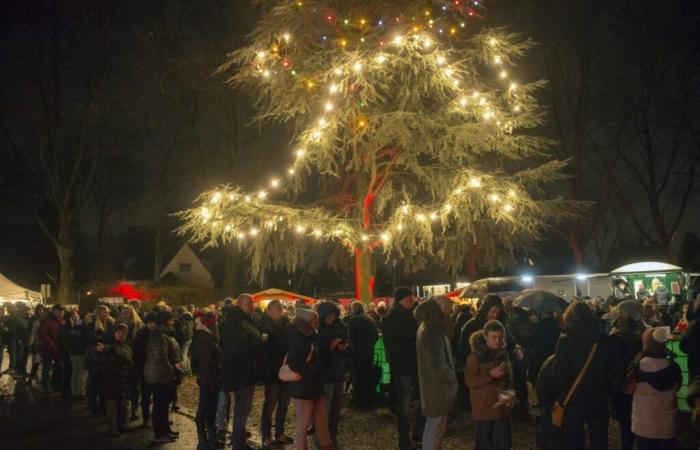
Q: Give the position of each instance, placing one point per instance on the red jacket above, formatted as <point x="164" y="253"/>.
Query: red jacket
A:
<point x="49" y="330"/>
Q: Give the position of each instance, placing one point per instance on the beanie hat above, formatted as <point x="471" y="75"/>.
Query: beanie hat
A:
<point x="306" y="314"/>
<point x="208" y="319"/>
<point x="121" y="325"/>
<point x="401" y="293"/>
<point x="163" y="316"/>
<point x="654" y="340"/>
<point x="150" y="317"/>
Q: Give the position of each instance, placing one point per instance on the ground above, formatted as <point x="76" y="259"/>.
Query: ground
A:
<point x="30" y="420"/>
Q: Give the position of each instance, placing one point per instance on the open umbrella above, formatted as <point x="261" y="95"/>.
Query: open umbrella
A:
<point x="540" y="301"/>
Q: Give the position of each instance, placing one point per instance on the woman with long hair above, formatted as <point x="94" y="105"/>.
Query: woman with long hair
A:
<point x="99" y="325"/>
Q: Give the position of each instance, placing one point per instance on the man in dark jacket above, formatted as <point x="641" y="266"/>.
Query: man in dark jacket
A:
<point x="491" y="309"/>
<point x="206" y="365"/>
<point x="184" y="331"/>
<point x="163" y="370"/>
<point x="399" y="329"/>
<point x="115" y="377"/>
<point x="273" y="325"/>
<point x="139" y="347"/>
<point x="243" y="362"/>
<point x="363" y="335"/>
<point x="690" y="342"/>
<point x="549" y="437"/>
<point x="542" y="344"/>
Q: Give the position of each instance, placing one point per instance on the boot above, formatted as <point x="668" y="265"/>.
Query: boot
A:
<point x="202" y="441"/>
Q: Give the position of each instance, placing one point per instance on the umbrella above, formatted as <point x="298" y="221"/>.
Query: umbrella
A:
<point x="540" y="301"/>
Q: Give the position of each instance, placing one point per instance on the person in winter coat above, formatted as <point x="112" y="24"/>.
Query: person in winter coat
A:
<point x="542" y="343"/>
<point x="436" y="370"/>
<point x="206" y="365"/>
<point x="334" y="349"/>
<point x="491" y="309"/>
<point x="99" y="326"/>
<point x="399" y="329"/>
<point x="549" y="437"/>
<point x="129" y="317"/>
<point x="163" y="369"/>
<point x="139" y="346"/>
<point x="115" y="377"/>
<point x="243" y="363"/>
<point x="656" y="382"/>
<point x="49" y="334"/>
<point x="626" y="333"/>
<point x="690" y="342"/>
<point x="363" y="336"/>
<point x="184" y="331"/>
<point x="75" y="341"/>
<point x="489" y="376"/>
<point x="590" y="401"/>
<point x="273" y="326"/>
<point x="307" y="393"/>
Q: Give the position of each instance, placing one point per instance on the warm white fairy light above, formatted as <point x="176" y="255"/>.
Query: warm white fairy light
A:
<point x="322" y="121"/>
<point x="227" y="228"/>
<point x="433" y="217"/>
<point x="266" y="73"/>
<point x="474" y="182"/>
<point x="513" y="86"/>
<point x="333" y="88"/>
<point x="262" y="194"/>
<point x="364" y="238"/>
<point x="248" y="199"/>
<point x="503" y="74"/>
<point x="463" y="101"/>
<point x="317" y="232"/>
<point x="497" y="59"/>
<point x="508" y="207"/>
<point x="427" y="43"/>
<point x="291" y="171"/>
<point x="447" y="207"/>
<point x="275" y="183"/>
<point x="397" y="39"/>
<point x="216" y="198"/>
<point x="287" y="37"/>
<point x="328" y="106"/>
<point x="253" y="231"/>
<point x="399" y="227"/>
<point x="440" y="60"/>
<point x="512" y="193"/>
<point x="357" y="66"/>
<point x="385" y="236"/>
<point x="494" y="198"/>
<point x="420" y="217"/>
<point x="241" y="236"/>
<point x="300" y="229"/>
<point x="404" y="209"/>
<point x="493" y="42"/>
<point x="482" y="101"/>
<point x="338" y="71"/>
<point x="380" y="59"/>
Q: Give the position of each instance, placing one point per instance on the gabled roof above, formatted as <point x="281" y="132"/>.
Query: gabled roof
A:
<point x="11" y="290"/>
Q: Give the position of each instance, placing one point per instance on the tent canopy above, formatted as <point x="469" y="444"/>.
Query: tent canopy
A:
<point x="647" y="266"/>
<point x="279" y="294"/>
<point x="10" y="291"/>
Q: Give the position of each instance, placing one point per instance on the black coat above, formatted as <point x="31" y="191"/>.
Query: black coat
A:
<point x="605" y="374"/>
<point x="74" y="339"/>
<point x="184" y="328"/>
<point x="363" y="335"/>
<point x="116" y="367"/>
<point x="302" y="342"/>
<point x="399" y="329"/>
<point x="334" y="361"/>
<point x="690" y="345"/>
<point x="543" y="343"/>
<point x="206" y="360"/>
<point x="139" y="347"/>
<point x="275" y="347"/>
<point x="475" y="324"/>
<point x="241" y="350"/>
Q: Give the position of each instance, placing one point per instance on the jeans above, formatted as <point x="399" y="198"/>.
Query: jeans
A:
<point x="146" y="397"/>
<point x="574" y="420"/>
<point x="45" y="373"/>
<point x="433" y="432"/>
<point x="162" y="396"/>
<point x="311" y="412"/>
<point x="333" y="396"/>
<point x="223" y="412"/>
<point x="404" y="385"/>
<point x="655" y="444"/>
<point x="21" y="355"/>
<point x="276" y="395"/>
<point x="116" y="415"/>
<point x="206" y="413"/>
<point x="77" y="379"/>
<point x="492" y="434"/>
<point x="243" y="398"/>
<point x="363" y="379"/>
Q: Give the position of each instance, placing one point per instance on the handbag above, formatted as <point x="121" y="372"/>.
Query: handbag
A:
<point x="287" y="374"/>
<point x="559" y="408"/>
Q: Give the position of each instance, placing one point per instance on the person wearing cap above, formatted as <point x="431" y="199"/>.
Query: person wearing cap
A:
<point x="657" y="379"/>
<point x="399" y="329"/>
<point x="163" y="370"/>
<point x="139" y="348"/>
<point x="206" y="365"/>
<point x="307" y="393"/>
<point x="115" y="376"/>
<point x="363" y="335"/>
<point x="243" y="363"/>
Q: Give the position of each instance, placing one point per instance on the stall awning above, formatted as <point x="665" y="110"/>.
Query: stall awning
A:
<point x="10" y="291"/>
<point x="279" y="294"/>
<point x="647" y="266"/>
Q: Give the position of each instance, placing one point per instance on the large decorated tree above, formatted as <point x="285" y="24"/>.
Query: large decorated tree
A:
<point x="411" y="139"/>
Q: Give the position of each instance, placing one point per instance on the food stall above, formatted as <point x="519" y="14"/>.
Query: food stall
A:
<point x="648" y="275"/>
<point x="264" y="297"/>
<point x="11" y="292"/>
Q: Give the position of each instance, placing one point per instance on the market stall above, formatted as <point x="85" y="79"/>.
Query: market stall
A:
<point x="648" y="277"/>
<point x="11" y="292"/>
<point x="264" y="297"/>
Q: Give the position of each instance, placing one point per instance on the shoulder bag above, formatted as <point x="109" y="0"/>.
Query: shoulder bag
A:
<point x="559" y="408"/>
<point x="288" y="375"/>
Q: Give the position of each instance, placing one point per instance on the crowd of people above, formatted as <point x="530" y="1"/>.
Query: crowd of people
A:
<point x="595" y="361"/>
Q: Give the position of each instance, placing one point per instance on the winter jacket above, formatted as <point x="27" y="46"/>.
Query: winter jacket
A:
<point x="116" y="370"/>
<point x="301" y="339"/>
<point x="74" y="339"/>
<point x="661" y="295"/>
<point x="605" y="373"/>
<point x="49" y="334"/>
<point x="543" y="343"/>
<point x="654" y="408"/>
<point x="241" y="350"/>
<point x="549" y="437"/>
<point x="399" y="329"/>
<point x="184" y="328"/>
<point x="363" y="335"/>
<point x="628" y="340"/>
<point x="206" y="359"/>
<point x="139" y="346"/>
<point x="477" y="323"/>
<point x="275" y="346"/>
<point x="162" y="358"/>
<point x="333" y="361"/>
<point x="690" y="345"/>
<point x="483" y="390"/>
<point x="436" y="369"/>
<point x="18" y="326"/>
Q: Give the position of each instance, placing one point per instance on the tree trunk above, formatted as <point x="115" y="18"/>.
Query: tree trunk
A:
<point x="364" y="276"/>
<point x="65" y="248"/>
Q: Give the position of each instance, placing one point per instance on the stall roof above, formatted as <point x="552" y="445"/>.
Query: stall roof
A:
<point x="279" y="294"/>
<point x="9" y="290"/>
<point x="647" y="266"/>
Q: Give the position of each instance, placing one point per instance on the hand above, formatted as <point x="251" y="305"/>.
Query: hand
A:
<point x="497" y="372"/>
<point x="519" y="353"/>
<point x="335" y="343"/>
<point x="99" y="347"/>
<point x="343" y="346"/>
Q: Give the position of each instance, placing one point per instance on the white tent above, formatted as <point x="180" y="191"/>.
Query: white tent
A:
<point x="11" y="292"/>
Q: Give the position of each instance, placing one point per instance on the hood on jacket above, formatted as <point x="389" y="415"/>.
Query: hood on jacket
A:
<point x="429" y="312"/>
<point x="489" y="301"/>
<point x="186" y="316"/>
<point x="326" y="309"/>
<point x="267" y="323"/>
<point x="477" y="342"/>
<point x="303" y="326"/>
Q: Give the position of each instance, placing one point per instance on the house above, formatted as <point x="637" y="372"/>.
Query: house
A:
<point x="189" y="269"/>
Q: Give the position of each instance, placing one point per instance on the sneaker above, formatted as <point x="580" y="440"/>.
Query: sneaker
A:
<point x="268" y="444"/>
<point x="284" y="439"/>
<point x="166" y="438"/>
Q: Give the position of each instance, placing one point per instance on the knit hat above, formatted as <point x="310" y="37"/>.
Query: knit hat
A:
<point x="306" y="314"/>
<point x="654" y="340"/>
<point x="401" y="293"/>
<point x="121" y="325"/>
<point x="163" y="316"/>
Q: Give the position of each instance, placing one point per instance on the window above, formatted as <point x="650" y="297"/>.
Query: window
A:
<point x="185" y="267"/>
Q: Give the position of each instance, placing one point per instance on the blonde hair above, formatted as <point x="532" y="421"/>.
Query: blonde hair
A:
<point x="100" y="324"/>
<point x="135" y="319"/>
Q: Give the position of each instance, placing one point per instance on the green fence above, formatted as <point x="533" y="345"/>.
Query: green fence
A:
<point x="380" y="360"/>
<point x="682" y="360"/>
